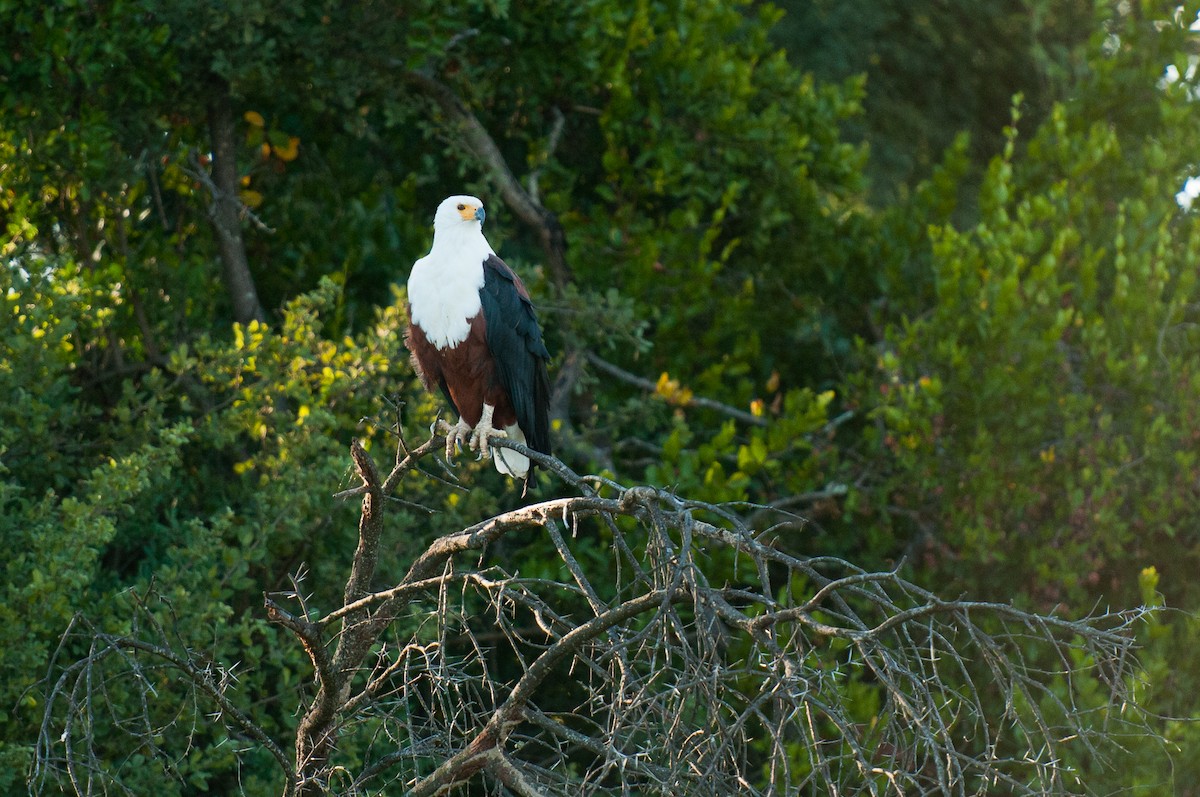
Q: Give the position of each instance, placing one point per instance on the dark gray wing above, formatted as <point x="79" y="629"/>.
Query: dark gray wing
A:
<point x="515" y="341"/>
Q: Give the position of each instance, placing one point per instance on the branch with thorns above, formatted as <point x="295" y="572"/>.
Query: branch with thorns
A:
<point x="677" y="654"/>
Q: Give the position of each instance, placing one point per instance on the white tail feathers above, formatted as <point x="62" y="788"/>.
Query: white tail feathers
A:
<point x="509" y="462"/>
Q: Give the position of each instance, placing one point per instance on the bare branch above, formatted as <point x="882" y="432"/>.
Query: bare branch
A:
<point x="79" y="677"/>
<point x="511" y="776"/>
<point x="680" y="655"/>
<point x="226" y="208"/>
<point x="556" y="131"/>
<point x="695" y="401"/>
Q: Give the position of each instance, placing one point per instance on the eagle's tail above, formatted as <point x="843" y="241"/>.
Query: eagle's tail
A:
<point x="509" y="462"/>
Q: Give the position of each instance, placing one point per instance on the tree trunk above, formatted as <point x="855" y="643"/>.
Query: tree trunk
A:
<point x="226" y="210"/>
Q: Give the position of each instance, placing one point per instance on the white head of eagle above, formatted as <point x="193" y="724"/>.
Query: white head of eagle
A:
<point x="474" y="335"/>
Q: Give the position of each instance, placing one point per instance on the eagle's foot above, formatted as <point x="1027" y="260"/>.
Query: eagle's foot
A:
<point x="481" y="439"/>
<point x="455" y="434"/>
<point x="484" y="433"/>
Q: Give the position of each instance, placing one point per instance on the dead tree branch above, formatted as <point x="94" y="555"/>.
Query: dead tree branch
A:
<point x="71" y="705"/>
<point x="696" y="660"/>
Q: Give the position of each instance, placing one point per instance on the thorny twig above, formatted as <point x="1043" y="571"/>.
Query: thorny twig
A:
<point x="676" y="654"/>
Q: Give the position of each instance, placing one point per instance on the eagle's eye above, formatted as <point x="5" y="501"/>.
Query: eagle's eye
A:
<point x="462" y="207"/>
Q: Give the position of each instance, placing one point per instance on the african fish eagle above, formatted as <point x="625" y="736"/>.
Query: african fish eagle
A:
<point x="473" y="333"/>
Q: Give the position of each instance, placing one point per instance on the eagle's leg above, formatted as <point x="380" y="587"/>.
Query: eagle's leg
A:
<point x="484" y="432"/>
<point x="454" y="436"/>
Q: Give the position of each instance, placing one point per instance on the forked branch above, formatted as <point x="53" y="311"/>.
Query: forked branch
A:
<point x="676" y="654"/>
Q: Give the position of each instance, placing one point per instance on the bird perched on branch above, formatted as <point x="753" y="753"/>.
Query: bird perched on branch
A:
<point x="473" y="333"/>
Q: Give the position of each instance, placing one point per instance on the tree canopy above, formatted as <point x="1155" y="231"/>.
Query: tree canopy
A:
<point x="912" y="273"/>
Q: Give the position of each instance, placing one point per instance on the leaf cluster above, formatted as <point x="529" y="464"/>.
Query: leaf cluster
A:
<point x="988" y="375"/>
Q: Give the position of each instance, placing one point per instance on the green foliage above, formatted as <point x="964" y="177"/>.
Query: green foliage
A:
<point x="725" y="177"/>
<point x="936" y="69"/>
<point x="1038" y="408"/>
<point x="1053" y="376"/>
<point x="994" y="373"/>
<point x="198" y="478"/>
<point x="1166" y="690"/>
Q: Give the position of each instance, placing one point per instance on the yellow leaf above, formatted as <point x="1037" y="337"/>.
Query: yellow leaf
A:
<point x="672" y="391"/>
<point x="254" y="117"/>
<point x="251" y="199"/>
<point x="1148" y="581"/>
<point x="289" y="151"/>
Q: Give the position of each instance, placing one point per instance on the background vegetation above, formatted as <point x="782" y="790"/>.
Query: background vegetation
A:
<point x="948" y="327"/>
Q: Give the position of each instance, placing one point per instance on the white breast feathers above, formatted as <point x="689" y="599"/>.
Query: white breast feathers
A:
<point x="443" y="292"/>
